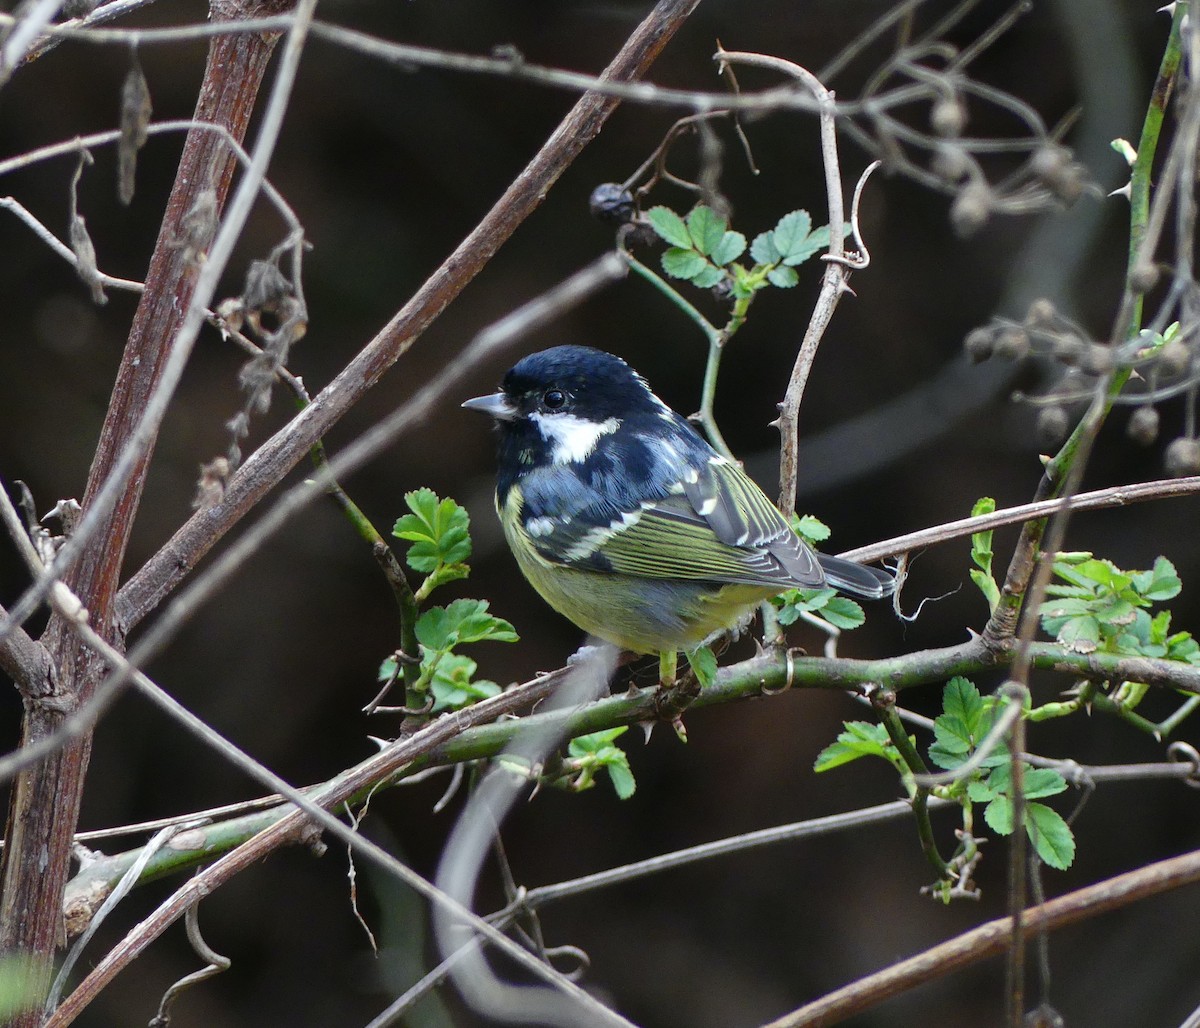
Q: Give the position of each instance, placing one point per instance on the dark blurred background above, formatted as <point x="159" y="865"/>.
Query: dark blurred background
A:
<point x="387" y="171"/>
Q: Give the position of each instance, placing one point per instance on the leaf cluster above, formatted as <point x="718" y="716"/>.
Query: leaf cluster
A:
<point x="704" y="251"/>
<point x="439" y="537"/>
<point x="965" y="721"/>
<point x="1098" y="607"/>
<point x="840" y="611"/>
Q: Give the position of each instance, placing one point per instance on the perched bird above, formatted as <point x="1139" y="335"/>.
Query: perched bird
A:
<point x="626" y="521"/>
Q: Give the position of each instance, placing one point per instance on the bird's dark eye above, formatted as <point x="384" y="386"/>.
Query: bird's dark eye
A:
<point x="554" y="399"/>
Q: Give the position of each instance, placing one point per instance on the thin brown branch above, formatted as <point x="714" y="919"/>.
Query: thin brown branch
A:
<point x="991" y="939"/>
<point x="833" y="283"/>
<point x="45" y="803"/>
<point x="268" y="465"/>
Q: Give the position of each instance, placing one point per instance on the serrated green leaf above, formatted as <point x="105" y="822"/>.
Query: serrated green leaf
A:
<point x="1042" y="781"/>
<point x="843" y="612"/>
<point x="980" y="790"/>
<point x="684" y="264"/>
<point x="439" y="531"/>
<point x="730" y="248"/>
<point x="706" y="229"/>
<point x="1050" y="834"/>
<point x="1081" y="634"/>
<point x="961" y="699"/>
<point x="594" y="742"/>
<point x="763" y="250"/>
<point x="998" y="814"/>
<point x="669" y="226"/>
<point x="948" y="759"/>
<point x="453" y="682"/>
<point x="708" y="277"/>
<point x="859" y="739"/>
<point x="817" y="241"/>
<point x="795" y="602"/>
<point x="791" y="233"/>
<point x="463" y="621"/>
<point x="810" y="528"/>
<point x="621" y="776"/>
<point x="783" y="277"/>
<point x="704" y="662"/>
<point x="1165" y="582"/>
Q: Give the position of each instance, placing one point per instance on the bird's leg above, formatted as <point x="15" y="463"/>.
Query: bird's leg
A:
<point x="668" y="662"/>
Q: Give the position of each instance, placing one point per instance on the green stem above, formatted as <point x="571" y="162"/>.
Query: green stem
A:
<point x="717" y="338"/>
<point x="406" y="601"/>
<point x="884" y="702"/>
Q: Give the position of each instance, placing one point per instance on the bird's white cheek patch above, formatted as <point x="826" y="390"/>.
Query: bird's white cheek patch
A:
<point x="572" y="439"/>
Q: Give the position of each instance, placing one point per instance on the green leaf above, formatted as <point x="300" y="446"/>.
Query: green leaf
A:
<point x="595" y="742"/>
<point x="708" y="277"/>
<point x="463" y="621"/>
<point x="795" y="602"/>
<point x="439" y="531"/>
<point x="961" y="725"/>
<point x="999" y="815"/>
<point x="684" y="264"/>
<point x="791" y="233"/>
<point x="704" y="662"/>
<point x="782" y="277"/>
<point x="1165" y="582"/>
<point x="1042" y="781"/>
<point x="763" y="250"/>
<point x="706" y="229"/>
<point x="817" y="241"/>
<point x="621" y="776"/>
<point x="599" y="751"/>
<point x="730" y="248"/>
<point x="843" y="612"/>
<point x="859" y="739"/>
<point x="811" y="529"/>
<point x="453" y="681"/>
<point x="669" y="226"/>
<point x="961" y="700"/>
<point x="1050" y="834"/>
<point x="1081" y="634"/>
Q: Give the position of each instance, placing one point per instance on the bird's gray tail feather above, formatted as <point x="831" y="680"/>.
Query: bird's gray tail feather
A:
<point x="857" y="579"/>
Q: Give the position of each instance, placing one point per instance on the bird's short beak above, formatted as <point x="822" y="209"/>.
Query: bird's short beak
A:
<point x="495" y="404"/>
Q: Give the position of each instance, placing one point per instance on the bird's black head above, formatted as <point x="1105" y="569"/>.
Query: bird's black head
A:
<point x="588" y="384"/>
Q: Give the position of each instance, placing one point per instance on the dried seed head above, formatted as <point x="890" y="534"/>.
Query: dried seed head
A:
<point x="1143" y="425"/>
<point x="1097" y="359"/>
<point x="1052" y="425"/>
<point x="612" y="203"/>
<point x="1143" y="278"/>
<point x="971" y="208"/>
<point x="1068" y="350"/>
<point x="1012" y="343"/>
<point x="979" y="344"/>
<point x="948" y="117"/>
<point x="1041" y="313"/>
<point x="1183" y="457"/>
<point x="1065" y="178"/>
<point x="950" y="162"/>
<point x="1174" y="358"/>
